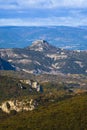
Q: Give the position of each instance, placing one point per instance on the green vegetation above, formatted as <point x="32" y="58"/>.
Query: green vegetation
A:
<point x="70" y="114"/>
<point x="11" y="88"/>
<point x="58" y="108"/>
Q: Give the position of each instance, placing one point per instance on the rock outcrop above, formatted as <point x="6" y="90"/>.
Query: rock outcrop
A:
<point x="26" y="105"/>
<point x="34" y="85"/>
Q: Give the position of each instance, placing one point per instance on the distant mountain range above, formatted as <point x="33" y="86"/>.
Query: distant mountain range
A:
<point x="73" y="38"/>
<point x="42" y="57"/>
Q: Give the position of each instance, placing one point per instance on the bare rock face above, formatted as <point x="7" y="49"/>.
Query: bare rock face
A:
<point x="40" y="45"/>
<point x="34" y="85"/>
<point x="8" y="106"/>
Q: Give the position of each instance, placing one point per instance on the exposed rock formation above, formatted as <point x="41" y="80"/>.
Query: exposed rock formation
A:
<point x="8" y="106"/>
<point x="34" y="85"/>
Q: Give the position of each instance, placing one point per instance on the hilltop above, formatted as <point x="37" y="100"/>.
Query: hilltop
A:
<point x="42" y="57"/>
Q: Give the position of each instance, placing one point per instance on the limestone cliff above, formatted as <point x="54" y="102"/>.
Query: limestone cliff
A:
<point x="26" y="105"/>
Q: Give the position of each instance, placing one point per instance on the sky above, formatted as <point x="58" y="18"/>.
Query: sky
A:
<point x="43" y="12"/>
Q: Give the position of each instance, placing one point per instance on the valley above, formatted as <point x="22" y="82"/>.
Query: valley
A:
<point x="43" y="87"/>
<point x="43" y="65"/>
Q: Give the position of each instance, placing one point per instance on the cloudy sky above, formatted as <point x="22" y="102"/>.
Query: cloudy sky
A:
<point x="43" y="12"/>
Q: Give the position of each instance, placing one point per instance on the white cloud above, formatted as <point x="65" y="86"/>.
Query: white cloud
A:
<point x="8" y="7"/>
<point x="35" y="3"/>
<point x="71" y="15"/>
<point x="70" y="3"/>
<point x="44" y="3"/>
<point x="8" y="4"/>
<point x="53" y="3"/>
<point x="66" y="21"/>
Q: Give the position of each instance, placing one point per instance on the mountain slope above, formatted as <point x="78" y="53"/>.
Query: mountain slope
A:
<point x="4" y="65"/>
<point x="69" y="114"/>
<point x="41" y="57"/>
<point x="11" y="88"/>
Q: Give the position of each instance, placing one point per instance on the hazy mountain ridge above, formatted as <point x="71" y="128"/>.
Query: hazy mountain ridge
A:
<point x="41" y="57"/>
<point x="74" y="38"/>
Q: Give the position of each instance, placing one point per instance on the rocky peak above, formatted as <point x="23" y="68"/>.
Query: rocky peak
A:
<point x="40" y="42"/>
<point x="40" y="45"/>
